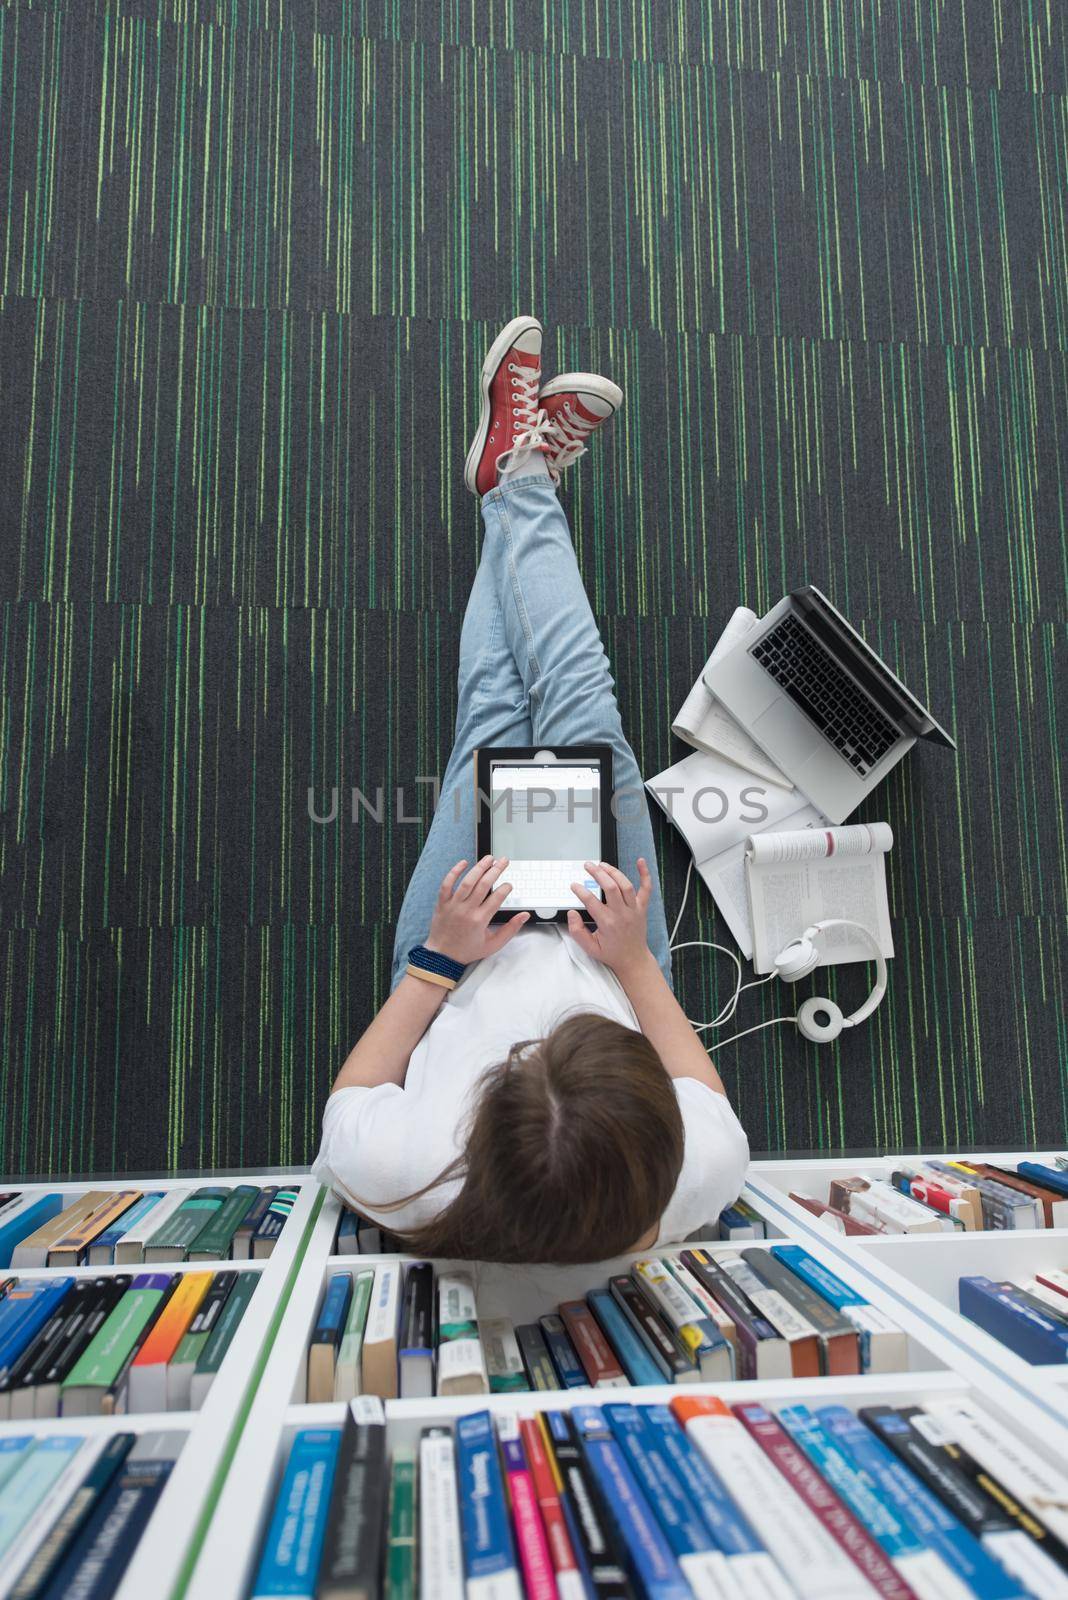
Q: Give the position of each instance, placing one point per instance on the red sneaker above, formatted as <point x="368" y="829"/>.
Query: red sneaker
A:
<point x="575" y="403"/>
<point x="510" y="419"/>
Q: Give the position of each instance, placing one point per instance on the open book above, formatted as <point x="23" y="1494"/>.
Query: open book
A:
<point x="808" y="875"/>
<point x="708" y="726"/>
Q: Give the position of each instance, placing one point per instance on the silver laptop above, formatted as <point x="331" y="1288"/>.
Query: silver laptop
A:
<point x="820" y="702"/>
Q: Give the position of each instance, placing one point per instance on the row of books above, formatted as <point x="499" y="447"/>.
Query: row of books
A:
<point x="933" y="1196"/>
<point x="124" y="1227"/>
<point x="698" y="1498"/>
<point x="356" y="1236"/>
<point x="389" y="1330"/>
<point x="1030" y="1317"/>
<point x="72" y="1509"/>
<point x="84" y="1346"/>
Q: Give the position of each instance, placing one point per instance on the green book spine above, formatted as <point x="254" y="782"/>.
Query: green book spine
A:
<point x="179" y="1231"/>
<point x="102" y="1361"/>
<point x="211" y="1357"/>
<point x="214" y="1238"/>
<point x="190" y="1349"/>
<point x="400" y="1553"/>
<point x="352" y="1336"/>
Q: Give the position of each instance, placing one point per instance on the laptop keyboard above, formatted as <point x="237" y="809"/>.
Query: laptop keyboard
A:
<point x="546" y="883"/>
<point x="827" y="695"/>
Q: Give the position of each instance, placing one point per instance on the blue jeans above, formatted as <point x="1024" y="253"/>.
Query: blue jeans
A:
<point x="532" y="671"/>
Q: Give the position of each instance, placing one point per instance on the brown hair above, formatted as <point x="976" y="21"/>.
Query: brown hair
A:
<point x="572" y="1153"/>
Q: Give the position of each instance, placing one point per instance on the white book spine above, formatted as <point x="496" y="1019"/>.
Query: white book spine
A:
<point x="1042" y="1488"/>
<point x="131" y="1247"/>
<point x="456" y="1300"/>
<point x="816" y="1566"/>
<point x="670" y="1297"/>
<point x="1038" y="1572"/>
<point x="769" y="1302"/>
<point x="440" y="1559"/>
<point x="385" y="1304"/>
<point x="755" y="1576"/>
<point x="710" y="1306"/>
<point x="928" y="1576"/>
<point x="884" y="1345"/>
<point x="706" y="1573"/>
<point x="460" y="1361"/>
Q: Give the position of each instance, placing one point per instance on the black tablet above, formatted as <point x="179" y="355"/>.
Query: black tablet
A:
<point x="549" y="810"/>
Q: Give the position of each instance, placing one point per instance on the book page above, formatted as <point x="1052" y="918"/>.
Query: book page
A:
<point x="787" y="897"/>
<point x="725" y="878"/>
<point x="705" y="724"/>
<point x="715" y="803"/>
<point x="859" y="839"/>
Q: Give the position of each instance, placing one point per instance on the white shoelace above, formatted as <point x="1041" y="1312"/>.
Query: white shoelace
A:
<point x="536" y="429"/>
<point x="571" y="430"/>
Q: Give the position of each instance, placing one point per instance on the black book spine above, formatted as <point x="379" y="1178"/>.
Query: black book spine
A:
<point x="536" y="1357"/>
<point x="355" y="1523"/>
<point x="932" y="1466"/>
<point x="805" y="1301"/>
<point x="722" y="1287"/>
<point x="417" y="1318"/>
<point x="590" y="1523"/>
<point x="647" y="1324"/>
<point x="84" y="1329"/>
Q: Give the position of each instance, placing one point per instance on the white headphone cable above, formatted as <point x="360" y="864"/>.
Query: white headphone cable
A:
<point x="729" y="1009"/>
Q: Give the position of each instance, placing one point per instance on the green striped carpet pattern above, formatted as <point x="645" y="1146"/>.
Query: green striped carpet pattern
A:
<point x="251" y="254"/>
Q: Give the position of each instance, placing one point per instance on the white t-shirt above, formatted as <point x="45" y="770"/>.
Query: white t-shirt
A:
<point x="383" y="1143"/>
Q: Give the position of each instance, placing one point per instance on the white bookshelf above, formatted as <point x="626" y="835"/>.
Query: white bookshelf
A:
<point x="946" y="1355"/>
<point x="156" y="1564"/>
<point x="204" y="1540"/>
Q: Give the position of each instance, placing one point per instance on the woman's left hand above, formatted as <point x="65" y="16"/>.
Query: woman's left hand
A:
<point x="461" y="927"/>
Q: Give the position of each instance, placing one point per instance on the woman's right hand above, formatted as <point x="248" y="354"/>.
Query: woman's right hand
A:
<point x="619" y="939"/>
<point x="460" y="927"/>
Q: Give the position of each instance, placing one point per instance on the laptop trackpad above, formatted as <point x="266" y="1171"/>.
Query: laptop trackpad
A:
<point x="786" y="734"/>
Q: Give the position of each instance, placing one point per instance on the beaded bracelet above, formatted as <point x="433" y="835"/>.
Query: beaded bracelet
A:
<point x="433" y="967"/>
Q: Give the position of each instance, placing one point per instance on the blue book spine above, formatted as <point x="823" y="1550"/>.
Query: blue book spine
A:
<point x="294" y="1543"/>
<point x="1045" y="1177"/>
<point x="730" y="1529"/>
<point x="817" y="1276"/>
<point x="489" y="1556"/>
<point x="920" y="1509"/>
<point x="111" y="1236"/>
<point x="655" y="1569"/>
<point x="635" y="1360"/>
<point x="683" y="1528"/>
<point x="850" y="1483"/>
<point x="93" y="1566"/>
<point x="335" y="1305"/>
<point x="1034" y="1337"/>
<point x="27" y="1222"/>
<point x="42" y="1298"/>
<point x="570" y="1369"/>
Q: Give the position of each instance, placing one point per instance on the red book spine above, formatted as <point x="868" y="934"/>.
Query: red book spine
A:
<point x="561" y="1551"/>
<point x="822" y="1501"/>
<point x="592" y="1347"/>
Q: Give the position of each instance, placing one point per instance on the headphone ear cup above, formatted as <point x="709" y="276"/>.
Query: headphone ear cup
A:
<point x="820" y="1020"/>
<point x="796" y="960"/>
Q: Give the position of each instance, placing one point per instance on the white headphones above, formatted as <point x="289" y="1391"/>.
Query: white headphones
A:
<point x="818" y="1019"/>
